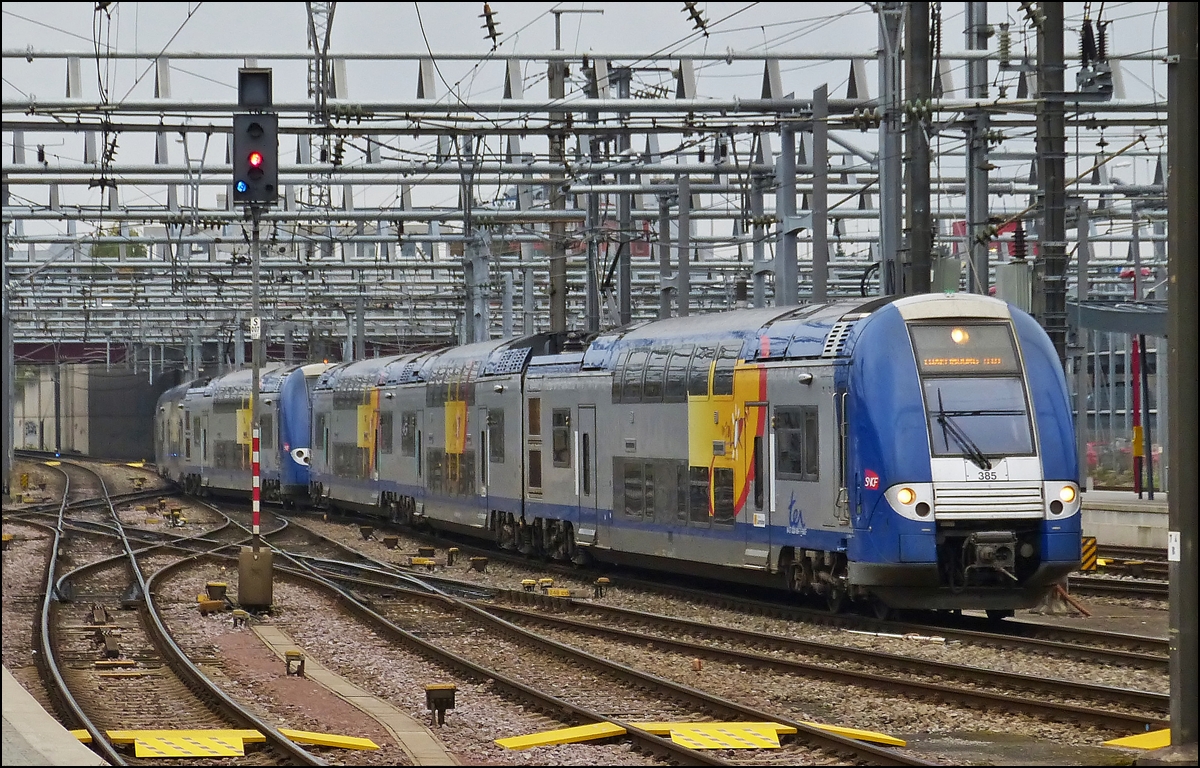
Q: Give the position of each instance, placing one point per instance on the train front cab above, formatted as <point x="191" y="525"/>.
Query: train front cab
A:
<point x="962" y="471"/>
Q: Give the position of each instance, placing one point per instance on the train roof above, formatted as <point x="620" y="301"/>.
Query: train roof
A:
<point x="237" y="383"/>
<point x="374" y="371"/>
<point x="767" y="333"/>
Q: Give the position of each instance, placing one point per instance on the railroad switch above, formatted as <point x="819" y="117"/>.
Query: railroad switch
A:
<point x="438" y="698"/>
<point x="366" y="531"/>
<point x="99" y="614"/>
<point x="545" y="584"/>
<point x="112" y="649"/>
<point x="426" y="552"/>
<point x="479" y="564"/>
<point x="240" y="618"/>
<point x="216" y="590"/>
<point x="451" y="556"/>
<point x="428" y="562"/>
<point x="391" y="542"/>
<point x="297" y="658"/>
<point x="528" y="584"/>
<point x="599" y="587"/>
<point x="162" y="504"/>
<point x="177" y="519"/>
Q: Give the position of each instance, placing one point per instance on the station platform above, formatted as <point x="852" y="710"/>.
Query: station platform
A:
<point x="1121" y="519"/>
<point x="32" y="736"/>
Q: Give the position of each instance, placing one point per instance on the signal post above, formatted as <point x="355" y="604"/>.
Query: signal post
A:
<point x="255" y="186"/>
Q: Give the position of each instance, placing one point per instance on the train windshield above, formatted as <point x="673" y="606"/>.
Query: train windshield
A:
<point x="975" y="397"/>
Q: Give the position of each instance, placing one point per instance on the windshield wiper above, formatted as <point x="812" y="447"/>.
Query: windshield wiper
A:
<point x="967" y="445"/>
<point x="987" y="412"/>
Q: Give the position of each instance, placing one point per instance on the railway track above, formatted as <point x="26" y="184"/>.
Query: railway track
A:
<point x="1059" y="641"/>
<point x="787" y="655"/>
<point x="1118" y="587"/>
<point x="335" y="562"/>
<point x="117" y="669"/>
<point x="633" y="696"/>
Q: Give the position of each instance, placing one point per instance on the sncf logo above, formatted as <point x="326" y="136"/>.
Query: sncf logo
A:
<point x="871" y="480"/>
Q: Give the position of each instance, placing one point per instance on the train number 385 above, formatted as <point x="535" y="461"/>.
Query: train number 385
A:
<point x="984" y="475"/>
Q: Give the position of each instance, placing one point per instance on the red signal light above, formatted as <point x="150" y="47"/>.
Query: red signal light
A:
<point x="255" y="159"/>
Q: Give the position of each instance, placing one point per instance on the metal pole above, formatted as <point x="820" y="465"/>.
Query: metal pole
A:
<point x="557" y="247"/>
<point x="918" y="75"/>
<point x="624" y="213"/>
<point x="820" y="195"/>
<point x="506" y="317"/>
<point x="1051" y="143"/>
<point x="1083" y="255"/>
<point x="592" y="227"/>
<point x="1182" y="302"/>
<point x="256" y="362"/>
<point x="528" y="307"/>
<point x="664" y="256"/>
<point x="757" y="184"/>
<point x="1147" y="436"/>
<point x="1135" y="388"/>
<point x="57" y="405"/>
<point x="360" y="323"/>
<point x="785" y="207"/>
<point x="683" y="277"/>
<point x="891" y="17"/>
<point x="977" y="155"/>
<point x="9" y="365"/>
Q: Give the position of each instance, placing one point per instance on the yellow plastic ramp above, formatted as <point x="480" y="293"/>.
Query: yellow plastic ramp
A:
<point x="562" y="736"/>
<point x="664" y="728"/>
<point x="726" y="736"/>
<point x="328" y="739"/>
<point x="1151" y="740"/>
<point x="163" y="744"/>
<point x="861" y="735"/>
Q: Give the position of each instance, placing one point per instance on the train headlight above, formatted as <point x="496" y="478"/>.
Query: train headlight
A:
<point x="906" y="496"/>
<point x="1067" y="494"/>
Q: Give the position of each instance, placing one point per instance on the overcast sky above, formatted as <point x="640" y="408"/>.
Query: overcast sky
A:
<point x="647" y="28"/>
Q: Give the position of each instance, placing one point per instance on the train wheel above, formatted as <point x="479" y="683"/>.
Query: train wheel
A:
<point x="881" y="609"/>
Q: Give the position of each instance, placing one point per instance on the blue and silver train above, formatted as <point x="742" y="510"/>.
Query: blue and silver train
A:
<point x="913" y="452"/>
<point x="203" y="433"/>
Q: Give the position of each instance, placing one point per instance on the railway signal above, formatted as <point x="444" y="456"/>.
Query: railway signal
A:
<point x="255" y="158"/>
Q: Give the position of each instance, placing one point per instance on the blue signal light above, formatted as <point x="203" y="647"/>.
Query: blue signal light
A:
<point x="241" y="186"/>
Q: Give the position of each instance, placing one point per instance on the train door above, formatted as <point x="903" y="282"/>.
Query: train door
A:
<point x="485" y="474"/>
<point x="419" y="426"/>
<point x="204" y="440"/>
<point x="760" y="495"/>
<point x="585" y="475"/>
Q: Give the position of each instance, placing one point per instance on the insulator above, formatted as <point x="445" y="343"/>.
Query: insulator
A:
<point x="1005" y="45"/>
<point x="1019" y="242"/>
<point x="1087" y="44"/>
<point x="1103" y="47"/>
